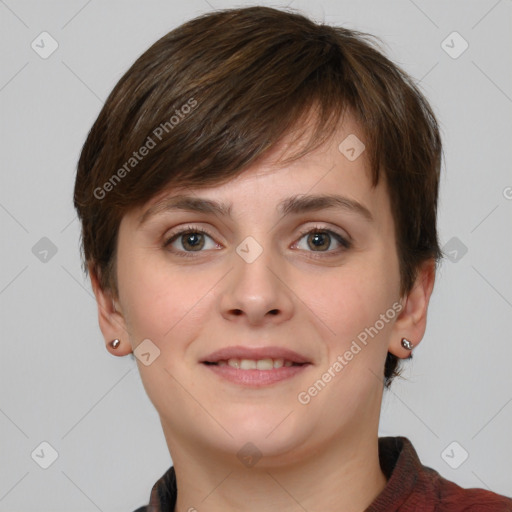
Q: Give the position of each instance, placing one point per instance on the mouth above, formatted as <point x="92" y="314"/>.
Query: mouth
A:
<point x="256" y="358"/>
<point x="255" y="367"/>
<point x="255" y="364"/>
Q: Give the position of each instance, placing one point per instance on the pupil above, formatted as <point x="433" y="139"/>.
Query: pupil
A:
<point x="193" y="240"/>
<point x="319" y="240"/>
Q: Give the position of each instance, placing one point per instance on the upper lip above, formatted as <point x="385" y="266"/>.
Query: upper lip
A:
<point x="240" y="352"/>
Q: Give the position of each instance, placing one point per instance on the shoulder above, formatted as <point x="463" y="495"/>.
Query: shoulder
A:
<point x="452" y="497"/>
<point x="163" y="494"/>
<point x="414" y="487"/>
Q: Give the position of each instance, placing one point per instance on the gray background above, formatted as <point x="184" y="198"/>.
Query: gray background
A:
<point x="57" y="381"/>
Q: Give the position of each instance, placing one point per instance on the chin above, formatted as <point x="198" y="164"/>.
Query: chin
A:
<point x="272" y="433"/>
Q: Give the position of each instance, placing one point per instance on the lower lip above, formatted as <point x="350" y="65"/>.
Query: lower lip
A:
<point x="256" y="378"/>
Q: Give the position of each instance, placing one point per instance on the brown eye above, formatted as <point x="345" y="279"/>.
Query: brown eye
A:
<point x="190" y="240"/>
<point x="321" y="240"/>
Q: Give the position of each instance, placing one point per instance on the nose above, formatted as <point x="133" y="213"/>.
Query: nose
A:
<point x="256" y="292"/>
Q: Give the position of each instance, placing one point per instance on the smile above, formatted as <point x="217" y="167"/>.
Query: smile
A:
<point x="255" y="373"/>
<point x="255" y="364"/>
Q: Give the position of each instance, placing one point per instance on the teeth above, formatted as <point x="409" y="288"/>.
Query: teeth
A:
<point x="264" y="364"/>
<point x="252" y="364"/>
<point x="248" y="364"/>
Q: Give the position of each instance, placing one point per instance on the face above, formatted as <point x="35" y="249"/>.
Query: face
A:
<point x="318" y="284"/>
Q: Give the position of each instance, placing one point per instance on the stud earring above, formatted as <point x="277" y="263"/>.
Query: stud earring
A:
<point x="407" y="344"/>
<point x="115" y="343"/>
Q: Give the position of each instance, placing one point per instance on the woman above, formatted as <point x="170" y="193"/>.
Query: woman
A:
<point x="258" y="201"/>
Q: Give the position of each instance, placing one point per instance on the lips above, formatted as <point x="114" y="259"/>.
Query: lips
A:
<point x="255" y="354"/>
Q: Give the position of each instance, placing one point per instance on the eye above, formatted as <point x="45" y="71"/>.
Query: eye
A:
<point x="321" y="239"/>
<point x="189" y="240"/>
<point x="192" y="239"/>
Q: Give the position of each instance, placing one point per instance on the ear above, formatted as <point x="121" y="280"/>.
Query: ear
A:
<point x="110" y="317"/>
<point x="412" y="320"/>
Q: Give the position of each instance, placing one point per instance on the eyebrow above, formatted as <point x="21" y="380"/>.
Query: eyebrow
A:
<point x="292" y="205"/>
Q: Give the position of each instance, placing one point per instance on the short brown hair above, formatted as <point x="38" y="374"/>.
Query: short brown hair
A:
<point x="218" y="92"/>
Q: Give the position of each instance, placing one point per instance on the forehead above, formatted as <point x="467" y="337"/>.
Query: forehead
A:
<point x="339" y="167"/>
<point x="341" y="161"/>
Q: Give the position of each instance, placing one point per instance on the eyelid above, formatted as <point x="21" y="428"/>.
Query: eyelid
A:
<point x="174" y="234"/>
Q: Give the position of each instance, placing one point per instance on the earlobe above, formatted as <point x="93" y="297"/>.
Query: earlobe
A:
<point x="411" y="323"/>
<point x="110" y="319"/>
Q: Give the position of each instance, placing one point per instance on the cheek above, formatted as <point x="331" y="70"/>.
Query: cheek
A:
<point x="349" y="302"/>
<point x="160" y="303"/>
<point x="343" y="298"/>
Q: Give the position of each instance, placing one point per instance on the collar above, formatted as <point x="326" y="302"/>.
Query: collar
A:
<point x="411" y="487"/>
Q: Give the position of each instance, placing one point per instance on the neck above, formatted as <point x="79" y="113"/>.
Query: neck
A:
<point x="343" y="474"/>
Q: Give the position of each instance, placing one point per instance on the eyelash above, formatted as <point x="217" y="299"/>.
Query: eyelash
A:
<point x="346" y="244"/>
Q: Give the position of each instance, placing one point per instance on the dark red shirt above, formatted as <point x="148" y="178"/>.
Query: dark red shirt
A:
<point x="411" y="487"/>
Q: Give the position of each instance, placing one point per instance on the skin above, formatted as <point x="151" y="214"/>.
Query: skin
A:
<point x="318" y="456"/>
